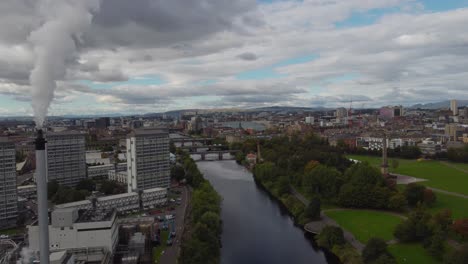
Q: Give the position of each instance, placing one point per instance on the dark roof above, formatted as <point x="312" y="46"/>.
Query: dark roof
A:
<point x="148" y="132"/>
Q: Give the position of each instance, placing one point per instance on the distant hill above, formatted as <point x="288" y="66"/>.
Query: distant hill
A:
<point x="438" y="105"/>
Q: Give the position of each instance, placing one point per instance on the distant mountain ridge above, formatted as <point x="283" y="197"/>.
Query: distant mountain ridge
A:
<point x="438" y="105"/>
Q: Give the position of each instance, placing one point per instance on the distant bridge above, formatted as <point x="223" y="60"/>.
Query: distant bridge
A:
<point x="194" y="148"/>
<point x="182" y="141"/>
<point x="219" y="152"/>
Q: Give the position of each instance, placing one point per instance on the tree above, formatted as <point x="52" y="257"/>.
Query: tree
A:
<point x="323" y="181"/>
<point x="415" y="228"/>
<point x="177" y="172"/>
<point x="111" y="187"/>
<point x="429" y="197"/>
<point x="86" y="184"/>
<point x="52" y="188"/>
<point x="331" y="236"/>
<point x="283" y="185"/>
<point x="436" y="244"/>
<point x="313" y="209"/>
<point x="375" y="248"/>
<point x="414" y="193"/>
<point x="459" y="256"/>
<point x="397" y="202"/>
<point x="311" y="165"/>
<point x="460" y="226"/>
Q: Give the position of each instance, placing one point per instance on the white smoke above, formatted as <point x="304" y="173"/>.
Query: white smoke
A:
<point x="26" y="256"/>
<point x="54" y="44"/>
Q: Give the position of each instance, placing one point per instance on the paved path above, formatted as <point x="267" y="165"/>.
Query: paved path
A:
<point x="453" y="166"/>
<point x="405" y="179"/>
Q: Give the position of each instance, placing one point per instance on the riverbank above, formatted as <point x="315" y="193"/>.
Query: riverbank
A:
<point x="203" y="227"/>
<point x="295" y="208"/>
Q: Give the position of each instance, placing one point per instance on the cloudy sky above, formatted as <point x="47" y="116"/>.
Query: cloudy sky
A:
<point x="159" y="55"/>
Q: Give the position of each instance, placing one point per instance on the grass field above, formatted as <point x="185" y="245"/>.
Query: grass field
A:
<point x="438" y="174"/>
<point x="457" y="205"/>
<point x="411" y="253"/>
<point x="364" y="224"/>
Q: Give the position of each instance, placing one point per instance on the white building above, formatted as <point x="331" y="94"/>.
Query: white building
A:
<point x="100" y="171"/>
<point x="123" y="203"/>
<point x="454" y="107"/>
<point x="118" y="176"/>
<point x="153" y="197"/>
<point x="70" y="230"/>
<point x="148" y="159"/>
<point x="66" y="161"/>
<point x="309" y="119"/>
<point x="8" y="196"/>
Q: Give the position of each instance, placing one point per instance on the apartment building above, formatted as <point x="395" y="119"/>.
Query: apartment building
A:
<point x="148" y="159"/>
<point x="8" y="192"/>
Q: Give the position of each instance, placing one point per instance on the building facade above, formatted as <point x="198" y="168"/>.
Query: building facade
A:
<point x="454" y="107"/>
<point x="66" y="158"/>
<point x="8" y="193"/>
<point x="148" y="160"/>
<point x="71" y="230"/>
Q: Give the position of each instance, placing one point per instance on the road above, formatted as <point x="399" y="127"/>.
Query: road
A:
<point x="171" y="253"/>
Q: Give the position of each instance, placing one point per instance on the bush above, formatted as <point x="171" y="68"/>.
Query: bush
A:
<point x="414" y="193"/>
<point x="460" y="227"/>
<point x="459" y="256"/>
<point x="330" y="236"/>
<point x="312" y="210"/>
<point x="397" y="202"/>
<point x="375" y="248"/>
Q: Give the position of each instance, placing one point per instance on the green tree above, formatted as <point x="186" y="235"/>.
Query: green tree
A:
<point x="375" y="248"/>
<point x="52" y="188"/>
<point x="313" y="209"/>
<point x="414" y="193"/>
<point x="177" y="172"/>
<point x="397" y="202"/>
<point x="436" y="244"/>
<point x="458" y="256"/>
<point x="331" y="236"/>
<point x="283" y="185"/>
<point x="86" y="184"/>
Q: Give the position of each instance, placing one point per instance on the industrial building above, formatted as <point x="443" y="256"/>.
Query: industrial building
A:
<point x="66" y="160"/>
<point x="72" y="230"/>
<point x="8" y="195"/>
<point x="148" y="159"/>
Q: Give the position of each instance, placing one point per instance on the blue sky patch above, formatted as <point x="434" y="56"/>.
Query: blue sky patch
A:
<point x="269" y="72"/>
<point x="143" y="80"/>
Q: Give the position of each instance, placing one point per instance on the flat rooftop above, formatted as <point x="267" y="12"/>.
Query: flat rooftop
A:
<point x="86" y="216"/>
<point x="148" y="132"/>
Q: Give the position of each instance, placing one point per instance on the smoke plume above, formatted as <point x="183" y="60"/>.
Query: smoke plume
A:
<point x="54" y="44"/>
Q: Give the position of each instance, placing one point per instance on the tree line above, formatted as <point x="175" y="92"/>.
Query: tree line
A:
<point x="203" y="242"/>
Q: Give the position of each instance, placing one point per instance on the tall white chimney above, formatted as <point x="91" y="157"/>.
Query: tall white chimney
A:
<point x="43" y="211"/>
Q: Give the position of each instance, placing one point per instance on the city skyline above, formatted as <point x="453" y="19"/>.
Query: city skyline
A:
<point x="250" y="54"/>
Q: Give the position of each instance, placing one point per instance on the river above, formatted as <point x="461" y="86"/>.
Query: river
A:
<point x="256" y="229"/>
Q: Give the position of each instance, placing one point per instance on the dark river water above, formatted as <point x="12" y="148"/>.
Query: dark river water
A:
<point x="256" y="229"/>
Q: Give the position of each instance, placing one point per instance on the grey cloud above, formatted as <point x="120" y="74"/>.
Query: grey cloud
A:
<point x="248" y="56"/>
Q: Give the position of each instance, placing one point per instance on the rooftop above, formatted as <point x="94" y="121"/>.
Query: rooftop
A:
<point x="117" y="196"/>
<point x="64" y="133"/>
<point x="86" y="216"/>
<point x="147" y="132"/>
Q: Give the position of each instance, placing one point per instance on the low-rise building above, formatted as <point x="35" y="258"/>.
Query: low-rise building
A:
<point x="118" y="176"/>
<point x="153" y="197"/>
<point x="122" y="202"/>
<point x="429" y="146"/>
<point x="73" y="229"/>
